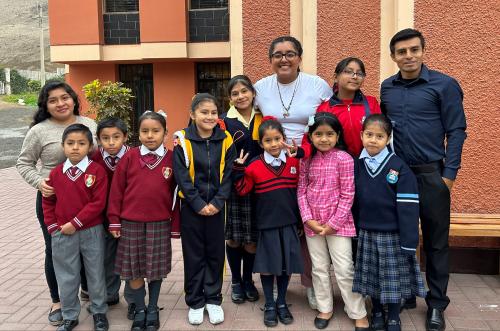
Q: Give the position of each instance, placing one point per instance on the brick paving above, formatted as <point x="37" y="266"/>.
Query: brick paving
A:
<point x="24" y="297"/>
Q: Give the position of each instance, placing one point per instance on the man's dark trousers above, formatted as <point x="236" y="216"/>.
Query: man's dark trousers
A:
<point x="434" y="198"/>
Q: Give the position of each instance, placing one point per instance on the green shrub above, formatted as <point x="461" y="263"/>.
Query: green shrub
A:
<point x="34" y="86"/>
<point x="110" y="99"/>
<point x="18" y="84"/>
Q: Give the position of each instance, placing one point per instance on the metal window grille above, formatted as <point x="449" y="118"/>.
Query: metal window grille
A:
<point x="122" y="6"/>
<point x="213" y="77"/>
<point x="204" y="4"/>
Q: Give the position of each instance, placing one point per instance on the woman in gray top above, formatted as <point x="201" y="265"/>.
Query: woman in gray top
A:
<point x="58" y="107"/>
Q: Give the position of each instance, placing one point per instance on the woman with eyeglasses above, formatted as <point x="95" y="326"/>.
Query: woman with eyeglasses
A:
<point x="289" y="94"/>
<point x="348" y="103"/>
<point x="292" y="96"/>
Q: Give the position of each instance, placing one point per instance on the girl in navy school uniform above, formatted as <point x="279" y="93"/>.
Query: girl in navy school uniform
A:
<point x="387" y="211"/>
<point x="242" y="122"/>
<point x="272" y="177"/>
<point x="141" y="213"/>
<point x="203" y="158"/>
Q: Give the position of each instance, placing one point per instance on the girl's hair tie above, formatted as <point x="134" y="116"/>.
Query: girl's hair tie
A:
<point x="310" y="122"/>
<point x="268" y="118"/>
<point x="162" y="113"/>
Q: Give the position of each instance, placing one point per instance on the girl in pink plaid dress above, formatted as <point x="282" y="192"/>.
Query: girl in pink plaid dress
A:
<point x="325" y="194"/>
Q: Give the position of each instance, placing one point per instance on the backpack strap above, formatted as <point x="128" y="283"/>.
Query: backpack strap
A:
<point x="366" y="106"/>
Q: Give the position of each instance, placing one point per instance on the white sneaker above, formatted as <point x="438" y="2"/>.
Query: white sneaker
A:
<point x="311" y="298"/>
<point x="195" y="316"/>
<point x="215" y="313"/>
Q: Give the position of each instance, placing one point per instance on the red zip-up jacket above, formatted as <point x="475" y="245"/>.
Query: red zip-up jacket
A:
<point x="351" y="115"/>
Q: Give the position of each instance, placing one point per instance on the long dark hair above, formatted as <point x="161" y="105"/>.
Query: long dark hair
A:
<point x="42" y="113"/>
<point x="332" y="121"/>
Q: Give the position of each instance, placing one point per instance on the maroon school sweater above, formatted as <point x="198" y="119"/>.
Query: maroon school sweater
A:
<point x="80" y="200"/>
<point x="98" y="157"/>
<point x="142" y="193"/>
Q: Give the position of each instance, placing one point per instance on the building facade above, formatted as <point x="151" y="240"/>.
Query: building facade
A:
<point x="167" y="50"/>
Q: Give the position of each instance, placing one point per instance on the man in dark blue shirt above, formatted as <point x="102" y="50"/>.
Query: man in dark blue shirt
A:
<point x="426" y="109"/>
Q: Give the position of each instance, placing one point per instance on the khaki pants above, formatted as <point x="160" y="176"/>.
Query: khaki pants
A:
<point x="339" y="250"/>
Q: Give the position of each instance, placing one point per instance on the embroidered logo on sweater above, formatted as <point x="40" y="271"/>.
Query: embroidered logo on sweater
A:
<point x="89" y="180"/>
<point x="293" y="170"/>
<point x="166" y="172"/>
<point x="392" y="176"/>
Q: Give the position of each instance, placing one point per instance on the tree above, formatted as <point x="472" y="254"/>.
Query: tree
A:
<point x="109" y="99"/>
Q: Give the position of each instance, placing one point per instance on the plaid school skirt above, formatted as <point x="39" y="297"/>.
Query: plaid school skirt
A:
<point x="240" y="225"/>
<point x="383" y="272"/>
<point x="144" y="250"/>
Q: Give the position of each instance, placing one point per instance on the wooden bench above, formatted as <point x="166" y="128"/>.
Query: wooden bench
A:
<point x="475" y="225"/>
<point x="473" y="231"/>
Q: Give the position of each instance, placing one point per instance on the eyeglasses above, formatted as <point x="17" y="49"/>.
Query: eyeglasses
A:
<point x="352" y="73"/>
<point x="288" y="55"/>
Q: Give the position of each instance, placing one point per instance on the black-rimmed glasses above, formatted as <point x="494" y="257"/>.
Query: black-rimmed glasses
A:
<point x="352" y="73"/>
<point x="288" y="55"/>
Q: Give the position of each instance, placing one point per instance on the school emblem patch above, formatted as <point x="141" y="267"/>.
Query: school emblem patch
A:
<point x="176" y="142"/>
<point x="293" y="170"/>
<point x="166" y="172"/>
<point x="392" y="176"/>
<point x="89" y="180"/>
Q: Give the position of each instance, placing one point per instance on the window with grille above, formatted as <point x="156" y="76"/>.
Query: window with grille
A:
<point x="204" y="4"/>
<point x="121" y="6"/>
<point x="213" y="77"/>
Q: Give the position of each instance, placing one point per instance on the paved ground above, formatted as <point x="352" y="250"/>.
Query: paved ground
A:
<point x="24" y="298"/>
<point x="14" y="122"/>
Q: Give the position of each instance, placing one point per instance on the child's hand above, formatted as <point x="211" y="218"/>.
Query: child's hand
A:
<point x="45" y="188"/>
<point x="212" y="209"/>
<point x="327" y="230"/>
<point x="115" y="234"/>
<point x="292" y="149"/>
<point x="242" y="159"/>
<point x="68" y="229"/>
<point x="205" y="211"/>
<point x="315" y="226"/>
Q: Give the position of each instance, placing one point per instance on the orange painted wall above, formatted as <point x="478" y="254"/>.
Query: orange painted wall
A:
<point x="82" y="74"/>
<point x="163" y="20"/>
<point x="470" y="55"/>
<point x="349" y="28"/>
<point x="75" y="22"/>
<point x="263" y="21"/>
<point x="174" y="87"/>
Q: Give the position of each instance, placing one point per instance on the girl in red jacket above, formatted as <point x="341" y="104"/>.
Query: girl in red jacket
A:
<point x="348" y="103"/>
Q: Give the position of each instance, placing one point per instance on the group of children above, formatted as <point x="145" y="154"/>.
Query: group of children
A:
<point x="232" y="187"/>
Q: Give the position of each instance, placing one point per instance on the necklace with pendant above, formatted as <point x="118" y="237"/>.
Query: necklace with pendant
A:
<point x="286" y="110"/>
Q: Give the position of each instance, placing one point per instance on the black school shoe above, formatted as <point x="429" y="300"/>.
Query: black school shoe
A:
<point x="100" y="322"/>
<point x="139" y="323"/>
<point x="284" y="315"/>
<point x="251" y="292"/>
<point x="270" y="316"/>
<point x="67" y="325"/>
<point x="378" y="321"/>
<point x="237" y="293"/>
<point x="393" y="325"/>
<point x="321" y="323"/>
<point x="153" y="319"/>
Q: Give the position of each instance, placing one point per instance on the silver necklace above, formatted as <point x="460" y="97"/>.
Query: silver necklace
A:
<point x="286" y="110"/>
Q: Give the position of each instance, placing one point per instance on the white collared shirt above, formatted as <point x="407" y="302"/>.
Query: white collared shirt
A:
<point x="119" y="155"/>
<point x="82" y="165"/>
<point x="275" y="161"/>
<point x="160" y="151"/>
<point x="373" y="162"/>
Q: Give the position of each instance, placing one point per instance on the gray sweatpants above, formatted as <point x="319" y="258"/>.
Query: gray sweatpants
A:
<point x="66" y="258"/>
